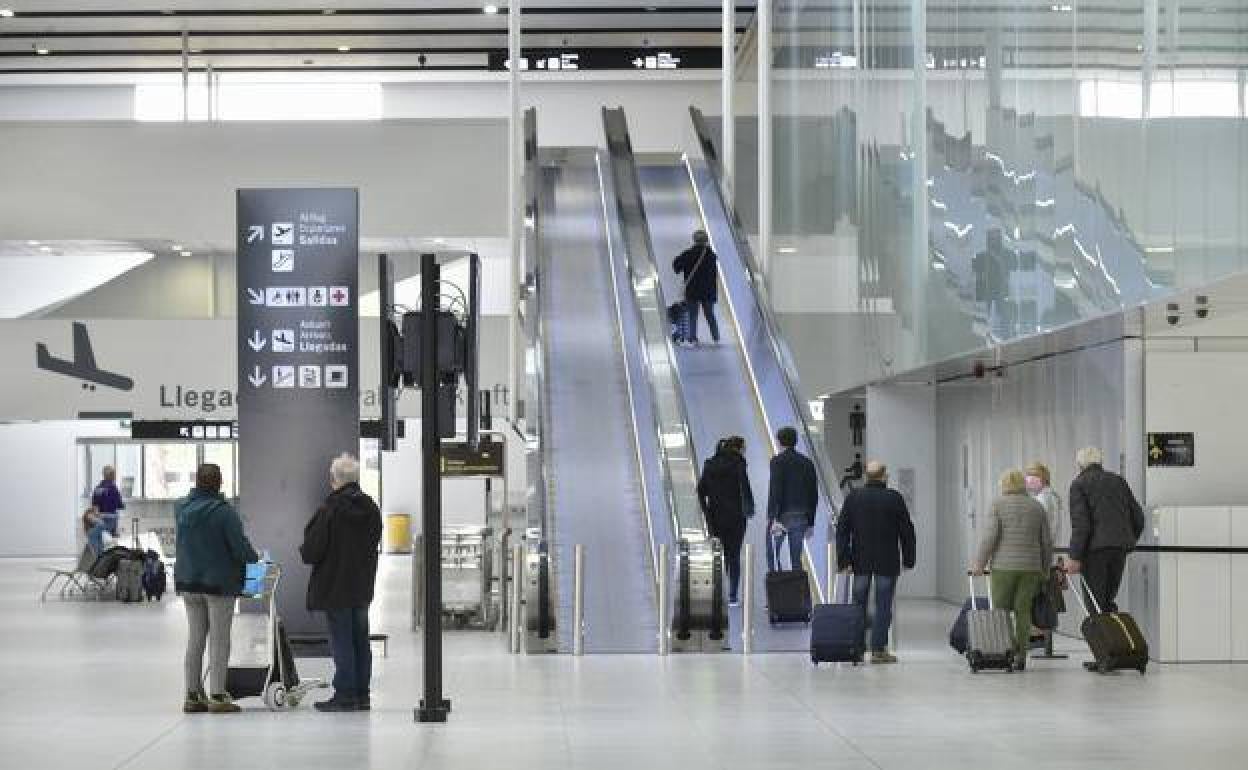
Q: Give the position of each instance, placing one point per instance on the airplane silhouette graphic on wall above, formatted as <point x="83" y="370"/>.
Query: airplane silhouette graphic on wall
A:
<point x="83" y="365"/>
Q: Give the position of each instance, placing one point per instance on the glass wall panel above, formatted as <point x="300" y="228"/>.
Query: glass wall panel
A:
<point x="954" y="174"/>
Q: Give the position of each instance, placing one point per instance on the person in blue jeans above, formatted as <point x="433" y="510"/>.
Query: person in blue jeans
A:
<point x="792" y="499"/>
<point x="874" y="540"/>
<point x="341" y="543"/>
<point x="107" y="502"/>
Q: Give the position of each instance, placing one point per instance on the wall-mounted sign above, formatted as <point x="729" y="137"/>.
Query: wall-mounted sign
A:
<point x="1171" y="450"/>
<point x="183" y="430"/>
<point x="458" y="460"/>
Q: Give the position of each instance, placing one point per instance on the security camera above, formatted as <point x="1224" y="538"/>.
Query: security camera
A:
<point x="1202" y="306"/>
<point x="1172" y="314"/>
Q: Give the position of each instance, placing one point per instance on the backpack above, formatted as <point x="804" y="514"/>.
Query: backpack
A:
<point x="106" y="564"/>
<point x="153" y="576"/>
<point x="130" y="579"/>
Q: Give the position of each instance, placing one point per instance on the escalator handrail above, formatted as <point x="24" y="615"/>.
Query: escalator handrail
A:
<point x="539" y="487"/>
<point x="623" y="163"/>
<point x="771" y="324"/>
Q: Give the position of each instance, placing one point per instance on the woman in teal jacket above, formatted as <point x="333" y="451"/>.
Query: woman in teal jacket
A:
<point x="211" y="561"/>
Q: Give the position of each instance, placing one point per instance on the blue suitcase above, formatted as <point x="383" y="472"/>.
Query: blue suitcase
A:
<point x="838" y="631"/>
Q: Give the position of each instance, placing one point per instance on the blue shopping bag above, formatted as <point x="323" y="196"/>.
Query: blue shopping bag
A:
<point x="253" y="579"/>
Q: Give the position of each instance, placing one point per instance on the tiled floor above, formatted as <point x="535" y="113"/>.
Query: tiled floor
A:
<point x="98" y="686"/>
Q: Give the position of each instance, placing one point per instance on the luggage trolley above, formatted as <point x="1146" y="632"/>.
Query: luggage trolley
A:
<point x="261" y="663"/>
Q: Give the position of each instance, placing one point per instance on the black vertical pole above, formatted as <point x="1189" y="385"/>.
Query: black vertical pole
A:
<point x="433" y="707"/>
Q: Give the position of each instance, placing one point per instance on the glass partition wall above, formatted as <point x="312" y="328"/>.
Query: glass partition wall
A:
<point x="950" y="175"/>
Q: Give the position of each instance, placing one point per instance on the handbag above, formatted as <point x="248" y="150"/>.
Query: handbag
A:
<point x="1048" y="602"/>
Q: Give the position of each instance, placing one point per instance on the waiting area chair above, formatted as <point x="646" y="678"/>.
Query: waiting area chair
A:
<point x="77" y="580"/>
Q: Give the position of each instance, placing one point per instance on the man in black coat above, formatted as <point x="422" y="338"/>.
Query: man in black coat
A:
<point x="1106" y="521"/>
<point x="875" y="539"/>
<point x="341" y="543"/>
<point x="792" y="499"/>
<point x="728" y="504"/>
<point x="698" y="266"/>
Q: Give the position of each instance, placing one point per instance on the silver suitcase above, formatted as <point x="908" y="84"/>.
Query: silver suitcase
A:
<point x="990" y="634"/>
<point x="466" y="574"/>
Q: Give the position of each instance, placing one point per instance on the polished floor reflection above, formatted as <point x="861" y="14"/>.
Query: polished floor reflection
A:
<point x="96" y="685"/>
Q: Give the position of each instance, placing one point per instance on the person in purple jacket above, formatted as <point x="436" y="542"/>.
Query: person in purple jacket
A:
<point x="107" y="502"/>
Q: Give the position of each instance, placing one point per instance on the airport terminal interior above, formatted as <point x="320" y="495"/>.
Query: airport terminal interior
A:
<point x="571" y="383"/>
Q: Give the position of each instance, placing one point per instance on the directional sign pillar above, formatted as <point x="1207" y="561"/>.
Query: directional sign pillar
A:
<point x="298" y="368"/>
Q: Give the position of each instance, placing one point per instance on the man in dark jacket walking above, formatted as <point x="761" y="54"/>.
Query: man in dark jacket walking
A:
<point x="792" y="499"/>
<point x="698" y="266"/>
<point x="341" y="542"/>
<point x="1106" y="521"/>
<point x="212" y="559"/>
<point x="873" y="527"/>
<point x="728" y="504"/>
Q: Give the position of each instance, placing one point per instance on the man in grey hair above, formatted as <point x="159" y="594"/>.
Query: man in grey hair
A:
<point x="341" y="543"/>
<point x="1106" y="521"/>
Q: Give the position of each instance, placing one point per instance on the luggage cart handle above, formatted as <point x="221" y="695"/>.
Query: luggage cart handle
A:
<point x="970" y="579"/>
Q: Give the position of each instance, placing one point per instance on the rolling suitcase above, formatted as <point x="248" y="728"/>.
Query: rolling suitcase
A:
<point x="989" y="634"/>
<point x="1114" y="638"/>
<point x="838" y="631"/>
<point x="958" y="633"/>
<point x="788" y="592"/>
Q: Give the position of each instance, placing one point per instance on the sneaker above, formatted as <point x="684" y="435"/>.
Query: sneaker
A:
<point x="195" y="703"/>
<point x="222" y="704"/>
<point x="734" y="601"/>
<point x="335" y="705"/>
<point x="883" y="656"/>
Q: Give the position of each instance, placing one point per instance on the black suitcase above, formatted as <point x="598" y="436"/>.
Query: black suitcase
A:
<point x="838" y="631"/>
<point x="788" y="593"/>
<point x="1114" y="638"/>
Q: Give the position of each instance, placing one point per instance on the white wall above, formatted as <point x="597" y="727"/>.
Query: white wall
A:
<point x="569" y="108"/>
<point x="67" y="102"/>
<point x="1201" y="393"/>
<point x="901" y="432"/>
<point x="136" y="181"/>
<point x="39" y="474"/>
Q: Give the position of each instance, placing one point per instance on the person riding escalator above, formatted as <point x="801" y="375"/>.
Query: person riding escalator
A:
<point x="728" y="504"/>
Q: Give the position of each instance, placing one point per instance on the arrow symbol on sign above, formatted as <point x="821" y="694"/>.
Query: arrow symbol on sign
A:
<point x="257" y="377"/>
<point x="639" y="63"/>
<point x="257" y="342"/>
<point x="255" y="233"/>
<point x="255" y="297"/>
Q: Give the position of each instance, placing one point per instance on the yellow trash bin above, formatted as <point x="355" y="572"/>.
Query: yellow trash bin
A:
<point x="398" y="533"/>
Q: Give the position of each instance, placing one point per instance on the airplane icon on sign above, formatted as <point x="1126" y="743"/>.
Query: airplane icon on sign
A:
<point x="83" y="364"/>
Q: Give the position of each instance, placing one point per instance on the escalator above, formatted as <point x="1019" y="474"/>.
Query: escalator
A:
<point x="590" y="474"/>
<point x="743" y="386"/>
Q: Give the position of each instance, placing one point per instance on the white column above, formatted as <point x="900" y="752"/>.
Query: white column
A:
<point x="920" y="255"/>
<point x="728" y="126"/>
<point x="764" y="135"/>
<point x="515" y="203"/>
<point x="186" y="76"/>
<point x="1149" y="64"/>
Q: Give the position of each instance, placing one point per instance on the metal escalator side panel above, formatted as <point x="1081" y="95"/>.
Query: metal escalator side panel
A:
<point x="674" y="442"/>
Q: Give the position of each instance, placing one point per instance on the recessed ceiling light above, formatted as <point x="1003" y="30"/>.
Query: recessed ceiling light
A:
<point x="490" y="8"/>
<point x="177" y="247"/>
<point x="32" y="243"/>
<point x="186" y="253"/>
<point x="440" y="241"/>
<point x="344" y="49"/>
<point x="45" y="249"/>
<point x="42" y="51"/>
<point x="6" y="13"/>
<point x="329" y="11"/>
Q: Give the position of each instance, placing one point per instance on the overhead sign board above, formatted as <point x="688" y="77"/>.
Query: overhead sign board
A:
<point x="298" y="366"/>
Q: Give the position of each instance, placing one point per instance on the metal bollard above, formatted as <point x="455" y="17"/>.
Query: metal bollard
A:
<point x="747" y="599"/>
<point x="578" y="600"/>
<point x="831" y="572"/>
<point x="664" y="639"/>
<point x="517" y="600"/>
